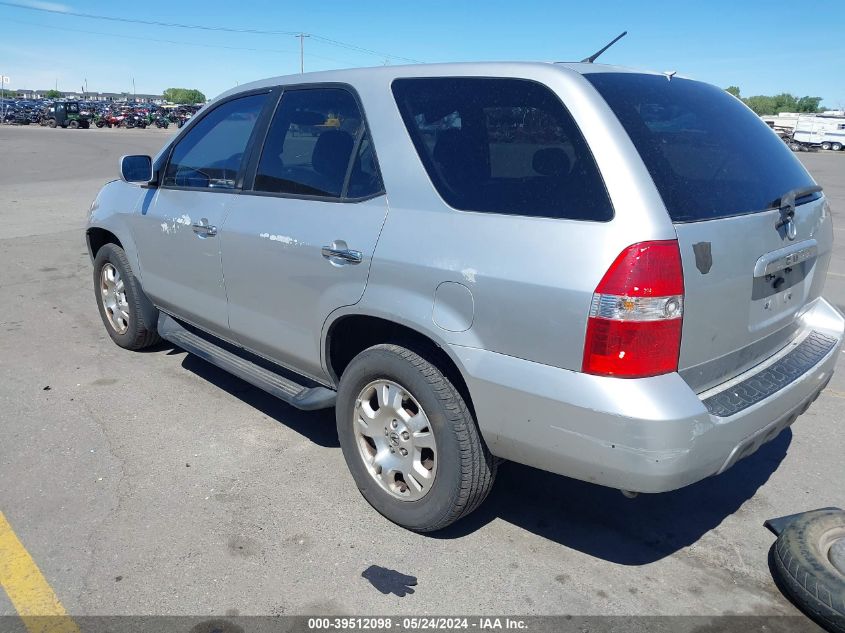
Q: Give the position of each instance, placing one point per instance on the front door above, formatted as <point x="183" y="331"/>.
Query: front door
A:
<point x="177" y="232"/>
<point x="299" y="243"/>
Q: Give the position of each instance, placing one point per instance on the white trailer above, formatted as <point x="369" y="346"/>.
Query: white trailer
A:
<point x="820" y="130"/>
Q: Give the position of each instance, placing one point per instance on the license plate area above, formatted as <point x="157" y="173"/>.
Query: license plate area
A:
<point x="779" y="295"/>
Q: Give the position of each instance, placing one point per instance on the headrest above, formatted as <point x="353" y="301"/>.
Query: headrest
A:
<point x="551" y="161"/>
<point x="331" y="153"/>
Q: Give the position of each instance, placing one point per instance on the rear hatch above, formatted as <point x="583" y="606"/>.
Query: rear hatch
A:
<point x="724" y="177"/>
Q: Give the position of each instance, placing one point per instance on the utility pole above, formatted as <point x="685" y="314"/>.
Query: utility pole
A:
<point x="3" y="81"/>
<point x="134" y="92"/>
<point x="302" y="37"/>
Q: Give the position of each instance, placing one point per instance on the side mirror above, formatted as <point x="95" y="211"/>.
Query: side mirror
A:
<point x="136" y="169"/>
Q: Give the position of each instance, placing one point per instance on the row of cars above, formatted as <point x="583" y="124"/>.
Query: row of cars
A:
<point x="79" y="114"/>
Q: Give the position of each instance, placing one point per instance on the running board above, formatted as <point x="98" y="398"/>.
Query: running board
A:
<point x="300" y="396"/>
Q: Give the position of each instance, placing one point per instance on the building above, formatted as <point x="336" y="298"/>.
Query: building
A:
<point x="92" y="96"/>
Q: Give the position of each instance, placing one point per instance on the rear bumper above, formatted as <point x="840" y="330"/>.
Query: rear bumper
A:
<point x="645" y="435"/>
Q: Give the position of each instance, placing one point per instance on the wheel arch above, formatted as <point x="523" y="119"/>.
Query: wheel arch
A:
<point x="349" y="334"/>
<point x="97" y="236"/>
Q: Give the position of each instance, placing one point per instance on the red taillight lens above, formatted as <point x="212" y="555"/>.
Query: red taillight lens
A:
<point x="634" y="328"/>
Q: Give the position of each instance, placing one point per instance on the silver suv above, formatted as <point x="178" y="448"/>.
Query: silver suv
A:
<point x="606" y="274"/>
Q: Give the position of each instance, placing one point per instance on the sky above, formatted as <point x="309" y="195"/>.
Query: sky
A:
<point x="762" y="47"/>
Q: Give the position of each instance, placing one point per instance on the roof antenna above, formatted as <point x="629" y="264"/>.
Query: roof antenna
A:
<point x="594" y="56"/>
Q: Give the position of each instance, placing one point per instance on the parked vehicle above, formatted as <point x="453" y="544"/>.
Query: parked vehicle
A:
<point x="821" y="131"/>
<point x="559" y="277"/>
<point x="65" y="114"/>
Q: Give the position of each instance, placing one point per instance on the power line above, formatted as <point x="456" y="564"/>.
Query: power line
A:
<point x="361" y="49"/>
<point x="92" y="16"/>
<point x="225" y="29"/>
<point x="174" y="42"/>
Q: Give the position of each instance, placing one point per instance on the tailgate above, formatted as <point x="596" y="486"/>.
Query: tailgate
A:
<point x="745" y="283"/>
<point x="729" y="184"/>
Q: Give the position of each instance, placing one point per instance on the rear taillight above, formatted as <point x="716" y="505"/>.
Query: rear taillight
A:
<point x="634" y="328"/>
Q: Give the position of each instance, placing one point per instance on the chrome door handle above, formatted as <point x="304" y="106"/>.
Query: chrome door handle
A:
<point x="345" y="255"/>
<point x="207" y="230"/>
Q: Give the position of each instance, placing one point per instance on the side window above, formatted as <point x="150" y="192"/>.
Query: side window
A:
<point x="502" y="145"/>
<point x="310" y="144"/>
<point x="211" y="153"/>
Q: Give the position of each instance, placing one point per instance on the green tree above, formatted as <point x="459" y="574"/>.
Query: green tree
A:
<point x="809" y="104"/>
<point x="183" y="95"/>
<point x="53" y="94"/>
<point x="774" y="104"/>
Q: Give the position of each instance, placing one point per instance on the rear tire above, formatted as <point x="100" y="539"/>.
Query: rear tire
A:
<point x="836" y="147"/>
<point x="73" y="125"/>
<point x="825" y="145"/>
<point x="442" y="434"/>
<point x="804" y="569"/>
<point x="122" y="295"/>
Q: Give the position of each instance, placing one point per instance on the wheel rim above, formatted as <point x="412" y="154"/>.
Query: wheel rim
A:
<point x="113" y="298"/>
<point x="395" y="440"/>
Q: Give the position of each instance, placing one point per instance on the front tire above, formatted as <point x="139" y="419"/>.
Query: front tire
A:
<point x="119" y="297"/>
<point x="410" y="441"/>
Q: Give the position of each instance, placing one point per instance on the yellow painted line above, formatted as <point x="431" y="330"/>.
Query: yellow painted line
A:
<point x="31" y="595"/>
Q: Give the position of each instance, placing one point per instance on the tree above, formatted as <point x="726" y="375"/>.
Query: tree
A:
<point x="809" y="104"/>
<point x="53" y="94"/>
<point x="188" y="96"/>
<point x="774" y="104"/>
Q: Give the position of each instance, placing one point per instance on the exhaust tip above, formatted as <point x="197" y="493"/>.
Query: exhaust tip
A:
<point x="629" y="494"/>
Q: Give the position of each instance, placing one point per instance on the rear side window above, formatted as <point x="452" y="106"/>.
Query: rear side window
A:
<point x="502" y="146"/>
<point x="709" y="155"/>
<point x="211" y="153"/>
<point x="311" y="143"/>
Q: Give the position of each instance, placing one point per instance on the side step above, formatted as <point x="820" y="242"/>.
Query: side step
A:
<point x="300" y="396"/>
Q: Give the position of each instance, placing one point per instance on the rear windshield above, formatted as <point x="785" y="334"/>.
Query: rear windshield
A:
<point x="499" y="145"/>
<point x="708" y="154"/>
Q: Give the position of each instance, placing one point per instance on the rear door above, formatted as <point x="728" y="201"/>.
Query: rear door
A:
<point x="298" y="243"/>
<point x="722" y="173"/>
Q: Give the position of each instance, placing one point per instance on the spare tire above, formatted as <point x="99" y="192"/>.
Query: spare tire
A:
<point x="808" y="563"/>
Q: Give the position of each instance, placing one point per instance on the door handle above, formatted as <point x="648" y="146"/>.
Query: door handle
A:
<point x="344" y="255"/>
<point x="204" y="229"/>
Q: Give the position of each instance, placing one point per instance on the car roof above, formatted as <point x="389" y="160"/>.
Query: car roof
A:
<point x="478" y="69"/>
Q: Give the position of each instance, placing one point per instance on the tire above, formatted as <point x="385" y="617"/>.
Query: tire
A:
<point x="51" y="123"/>
<point x="135" y="335"/>
<point x="803" y="570"/>
<point x="73" y="125"/>
<point x="99" y="124"/>
<point x="462" y="470"/>
<point x="836" y="147"/>
<point x="825" y="145"/>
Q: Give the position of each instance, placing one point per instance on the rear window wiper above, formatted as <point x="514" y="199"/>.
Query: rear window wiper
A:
<point x="787" y="201"/>
<point x="786" y="204"/>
